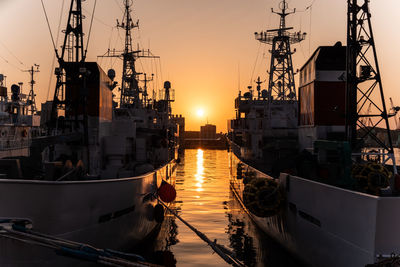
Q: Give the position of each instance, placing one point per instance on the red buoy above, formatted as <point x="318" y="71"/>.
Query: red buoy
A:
<point x="167" y="192"/>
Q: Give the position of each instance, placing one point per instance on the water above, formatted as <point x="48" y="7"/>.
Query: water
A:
<point x="204" y="200"/>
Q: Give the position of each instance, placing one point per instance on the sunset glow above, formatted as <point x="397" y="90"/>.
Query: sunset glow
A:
<point x="200" y="113"/>
<point x="210" y="47"/>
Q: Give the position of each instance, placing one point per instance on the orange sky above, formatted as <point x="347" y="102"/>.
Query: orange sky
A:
<point x="202" y="43"/>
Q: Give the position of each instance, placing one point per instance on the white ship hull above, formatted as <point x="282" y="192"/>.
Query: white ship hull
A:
<point x="328" y="226"/>
<point x="115" y="214"/>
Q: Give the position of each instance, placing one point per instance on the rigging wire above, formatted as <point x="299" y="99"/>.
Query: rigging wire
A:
<point x="255" y="64"/>
<point x="119" y="6"/>
<point x="239" y="76"/>
<point x="264" y="57"/>
<point x="54" y="57"/>
<point x="48" y="24"/>
<point x="97" y="19"/>
<point x="301" y="46"/>
<point x="110" y="39"/>
<point x="161" y="74"/>
<point x="309" y="38"/>
<point x="90" y="28"/>
<point x="309" y="8"/>
<point x="11" y="64"/>
<point x="11" y="53"/>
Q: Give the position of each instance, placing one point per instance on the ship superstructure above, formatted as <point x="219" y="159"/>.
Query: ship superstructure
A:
<point x="265" y="129"/>
<point x="157" y="130"/>
<point x="19" y="122"/>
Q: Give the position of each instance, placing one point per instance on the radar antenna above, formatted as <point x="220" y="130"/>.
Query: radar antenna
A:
<point x="281" y="76"/>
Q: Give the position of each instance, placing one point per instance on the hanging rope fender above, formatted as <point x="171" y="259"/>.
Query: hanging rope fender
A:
<point x="227" y="255"/>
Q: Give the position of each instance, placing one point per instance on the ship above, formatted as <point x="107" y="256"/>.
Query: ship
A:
<point x="331" y="201"/>
<point x="265" y="127"/>
<point x="96" y="175"/>
<point x="19" y="121"/>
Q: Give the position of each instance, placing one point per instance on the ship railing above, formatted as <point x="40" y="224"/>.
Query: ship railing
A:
<point x="269" y="37"/>
<point x="14" y="144"/>
<point x="377" y="155"/>
<point x="235" y="148"/>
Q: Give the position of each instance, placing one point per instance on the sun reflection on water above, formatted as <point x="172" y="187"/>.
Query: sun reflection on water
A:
<point x="200" y="170"/>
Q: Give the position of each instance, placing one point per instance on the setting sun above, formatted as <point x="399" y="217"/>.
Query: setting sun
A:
<point x="200" y="112"/>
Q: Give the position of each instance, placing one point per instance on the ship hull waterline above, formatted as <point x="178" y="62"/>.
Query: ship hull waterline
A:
<point x="114" y="214"/>
<point x="323" y="225"/>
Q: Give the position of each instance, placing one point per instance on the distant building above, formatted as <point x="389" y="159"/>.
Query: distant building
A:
<point x="208" y="131"/>
<point x="207" y="138"/>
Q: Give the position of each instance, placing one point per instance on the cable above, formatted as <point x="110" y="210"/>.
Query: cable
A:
<point x="118" y="5"/>
<point x="48" y="24"/>
<point x="255" y="63"/>
<point x="162" y="79"/>
<point x="11" y="53"/>
<point x="54" y="57"/>
<point x="90" y="28"/>
<point x="97" y="19"/>
<point x="309" y="38"/>
<point x="8" y="62"/>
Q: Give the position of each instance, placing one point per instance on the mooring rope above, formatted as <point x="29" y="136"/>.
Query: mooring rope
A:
<point x="72" y="249"/>
<point x="223" y="252"/>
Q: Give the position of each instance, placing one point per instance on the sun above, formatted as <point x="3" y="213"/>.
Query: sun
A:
<point x="200" y="112"/>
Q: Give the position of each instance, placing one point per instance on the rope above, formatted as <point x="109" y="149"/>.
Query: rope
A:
<point x="70" y="248"/>
<point x="222" y="251"/>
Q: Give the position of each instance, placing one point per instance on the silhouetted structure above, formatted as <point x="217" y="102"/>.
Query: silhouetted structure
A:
<point x="208" y="131"/>
<point x="207" y="138"/>
<point x="364" y="85"/>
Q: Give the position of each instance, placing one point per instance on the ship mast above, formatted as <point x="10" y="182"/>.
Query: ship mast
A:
<point x="31" y="97"/>
<point x="364" y="85"/>
<point x="130" y="86"/>
<point x="281" y="76"/>
<point x="73" y="47"/>
<point x="145" y="93"/>
<point x="131" y="93"/>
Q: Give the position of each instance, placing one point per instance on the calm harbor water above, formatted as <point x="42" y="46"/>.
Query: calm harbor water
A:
<point x="204" y="200"/>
